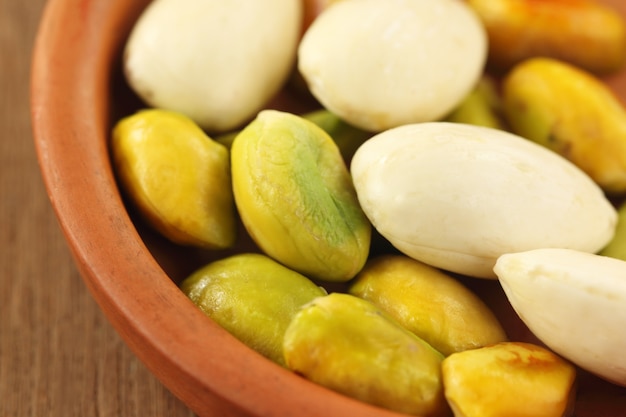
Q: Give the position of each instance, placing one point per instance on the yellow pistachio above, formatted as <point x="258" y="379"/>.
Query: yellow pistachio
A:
<point x="508" y="379"/>
<point x="433" y="305"/>
<point x="177" y="176"/>
<point x="585" y="33"/>
<point x="347" y="344"/>
<point x="571" y="112"/>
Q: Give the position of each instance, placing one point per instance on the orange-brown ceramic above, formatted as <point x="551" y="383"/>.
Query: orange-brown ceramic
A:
<point x="78" y="92"/>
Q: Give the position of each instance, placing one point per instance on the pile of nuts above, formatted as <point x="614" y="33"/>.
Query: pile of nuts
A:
<point x="475" y="137"/>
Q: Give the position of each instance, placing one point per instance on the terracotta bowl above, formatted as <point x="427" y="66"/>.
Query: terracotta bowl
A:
<point x="78" y="93"/>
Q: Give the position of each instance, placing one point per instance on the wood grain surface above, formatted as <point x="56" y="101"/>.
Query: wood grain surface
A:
<point x="58" y="354"/>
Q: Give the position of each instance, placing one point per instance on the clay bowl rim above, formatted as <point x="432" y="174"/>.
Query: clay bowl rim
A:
<point x="199" y="362"/>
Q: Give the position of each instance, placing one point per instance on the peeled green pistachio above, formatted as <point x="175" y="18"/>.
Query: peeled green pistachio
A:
<point x="380" y="64"/>
<point x="219" y="62"/>
<point x="296" y="199"/>
<point x="458" y="196"/>
<point x="433" y="305"/>
<point x="347" y="137"/>
<point x="349" y="345"/>
<point x="251" y="296"/>
<point x="574" y="302"/>
<point x="509" y="379"/>
<point x="177" y="176"/>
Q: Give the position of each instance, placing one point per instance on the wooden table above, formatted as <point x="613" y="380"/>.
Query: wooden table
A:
<point x="58" y="354"/>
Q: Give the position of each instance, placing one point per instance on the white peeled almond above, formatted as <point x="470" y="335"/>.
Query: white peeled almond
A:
<point x="218" y="62"/>
<point x="379" y="64"/>
<point x="574" y="302"/>
<point x="458" y="196"/>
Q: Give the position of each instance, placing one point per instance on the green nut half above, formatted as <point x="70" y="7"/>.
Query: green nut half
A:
<point x="253" y="297"/>
<point x="177" y="177"/>
<point x="348" y="345"/>
<point x="296" y="198"/>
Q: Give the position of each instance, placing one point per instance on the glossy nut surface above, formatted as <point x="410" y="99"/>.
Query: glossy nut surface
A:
<point x="430" y="303"/>
<point x="296" y="198"/>
<point x="349" y="345"/>
<point x="571" y="112"/>
<point x="253" y="297"/>
<point x="177" y="176"/>
<point x="505" y="379"/>
<point x="457" y="196"/>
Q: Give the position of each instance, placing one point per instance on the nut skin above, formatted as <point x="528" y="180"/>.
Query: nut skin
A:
<point x="177" y="177"/>
<point x="218" y="62"/>
<point x="510" y="379"/>
<point x="251" y="296"/>
<point x="347" y="344"/>
<point x="571" y="112"/>
<point x="457" y="196"/>
<point x="573" y="302"/>
<point x="296" y="198"/>
<point x="584" y="33"/>
<point x="430" y="303"/>
<point x="379" y="65"/>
